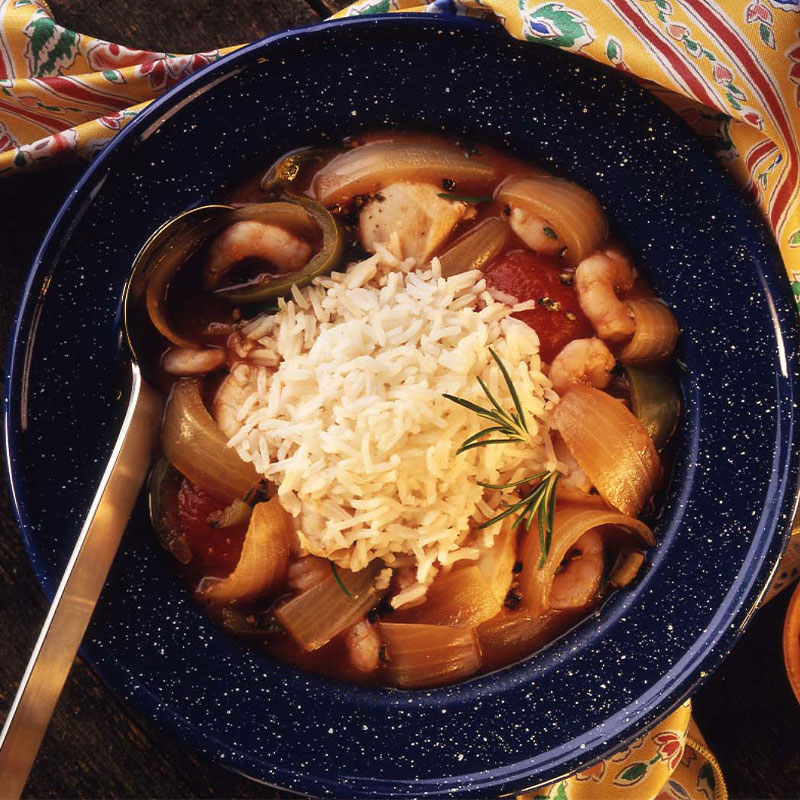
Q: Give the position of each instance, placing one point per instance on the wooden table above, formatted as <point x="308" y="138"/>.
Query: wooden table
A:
<point x="97" y="746"/>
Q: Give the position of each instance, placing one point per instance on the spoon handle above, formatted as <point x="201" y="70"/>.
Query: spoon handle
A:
<point x="79" y="589"/>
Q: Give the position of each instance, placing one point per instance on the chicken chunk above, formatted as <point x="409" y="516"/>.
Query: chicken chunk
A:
<point x="421" y="219"/>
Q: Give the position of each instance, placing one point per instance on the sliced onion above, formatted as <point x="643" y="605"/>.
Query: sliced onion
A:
<point x="573" y="212"/>
<point x="569" y="524"/>
<point x="512" y="635"/>
<point x="262" y="565"/>
<point x="574" y="484"/>
<point x="365" y="169"/>
<point x="476" y="249"/>
<point x="331" y="606"/>
<point x="195" y="445"/>
<point x="569" y="494"/>
<point x="461" y="597"/>
<point x="626" y="567"/>
<point x="286" y="171"/>
<point x="428" y="655"/>
<point x="656" y="332"/>
<point x="611" y="445"/>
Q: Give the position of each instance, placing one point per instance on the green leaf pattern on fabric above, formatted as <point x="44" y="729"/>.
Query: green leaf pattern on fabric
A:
<point x="615" y="54"/>
<point x="555" y="791"/>
<point x="693" y="48"/>
<point x="561" y="792"/>
<point x="733" y="101"/>
<point x="113" y="76"/>
<point x="631" y="775"/>
<point x="51" y="48"/>
<point x="556" y="25"/>
<point x="767" y="36"/>
<point x="369" y="7"/>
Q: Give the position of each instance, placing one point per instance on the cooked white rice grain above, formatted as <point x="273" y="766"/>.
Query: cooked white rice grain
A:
<point x="352" y="424"/>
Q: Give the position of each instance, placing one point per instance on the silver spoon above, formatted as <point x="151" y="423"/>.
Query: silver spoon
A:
<point x="102" y="530"/>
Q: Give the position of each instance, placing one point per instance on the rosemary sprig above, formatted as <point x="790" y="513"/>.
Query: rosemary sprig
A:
<point x="540" y="503"/>
<point x="338" y="579"/>
<point x="511" y="424"/>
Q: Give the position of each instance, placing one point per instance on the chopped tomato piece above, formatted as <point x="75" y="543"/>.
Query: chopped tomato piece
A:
<point x="215" y="551"/>
<point x="557" y="318"/>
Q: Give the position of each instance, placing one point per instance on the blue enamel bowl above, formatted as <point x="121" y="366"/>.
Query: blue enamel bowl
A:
<point x="731" y="496"/>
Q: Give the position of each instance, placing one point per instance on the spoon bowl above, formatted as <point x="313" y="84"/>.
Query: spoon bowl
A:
<point x="161" y="256"/>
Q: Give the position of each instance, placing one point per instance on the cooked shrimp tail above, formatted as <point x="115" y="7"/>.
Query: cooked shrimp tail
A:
<point x="582" y="361"/>
<point x="598" y="279"/>
<point x="185" y="361"/>
<point x="253" y="239"/>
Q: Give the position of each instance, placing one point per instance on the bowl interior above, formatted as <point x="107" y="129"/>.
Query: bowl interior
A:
<point x="721" y="531"/>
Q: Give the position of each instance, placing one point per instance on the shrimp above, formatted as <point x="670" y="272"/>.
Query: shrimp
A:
<point x="536" y="232"/>
<point x="252" y="239"/>
<point x="421" y="219"/>
<point x="241" y="345"/>
<point x="618" y="255"/>
<point x="230" y="397"/>
<point x="363" y="646"/>
<point x="192" y="360"/>
<point x="577" y="583"/>
<point x="582" y="361"/>
<point x="598" y="278"/>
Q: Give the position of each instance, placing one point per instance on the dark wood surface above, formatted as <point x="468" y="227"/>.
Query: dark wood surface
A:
<point x="97" y="746"/>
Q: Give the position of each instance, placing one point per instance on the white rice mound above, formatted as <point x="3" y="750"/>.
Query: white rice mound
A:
<point x="347" y="414"/>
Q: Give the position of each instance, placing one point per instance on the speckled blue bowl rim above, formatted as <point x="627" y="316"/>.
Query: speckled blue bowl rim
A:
<point x="697" y="663"/>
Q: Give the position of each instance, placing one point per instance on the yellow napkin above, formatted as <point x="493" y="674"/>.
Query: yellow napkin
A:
<point x="732" y="72"/>
<point x="670" y="762"/>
